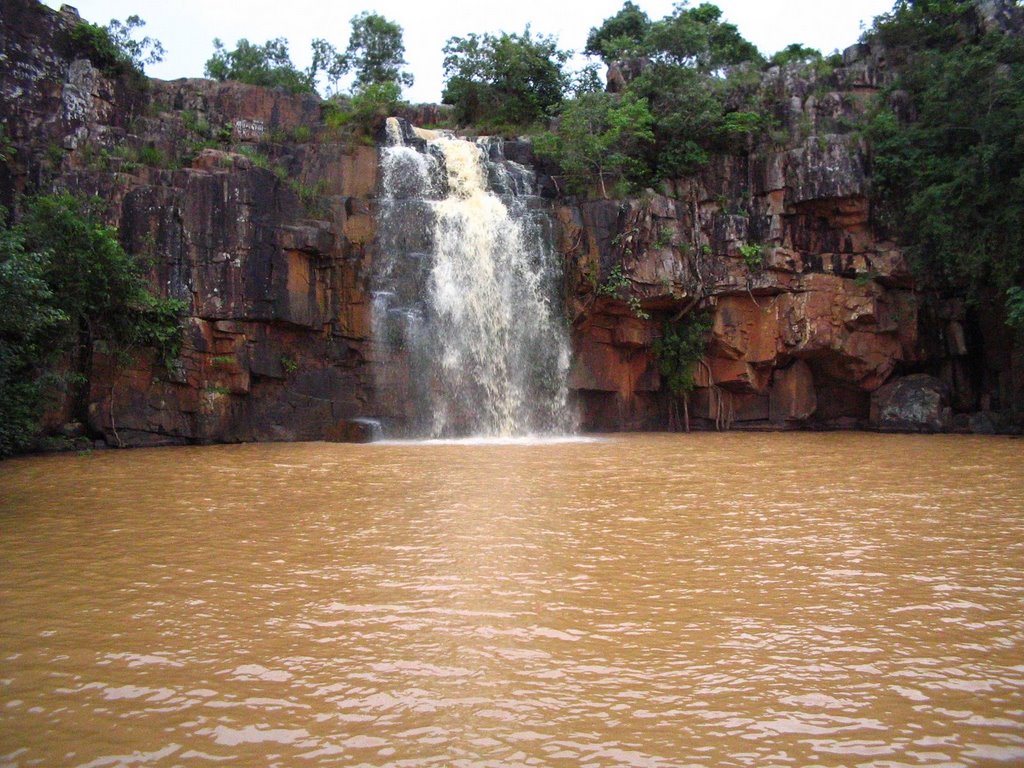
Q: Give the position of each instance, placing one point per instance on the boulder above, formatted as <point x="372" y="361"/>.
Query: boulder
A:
<point x="916" y="403"/>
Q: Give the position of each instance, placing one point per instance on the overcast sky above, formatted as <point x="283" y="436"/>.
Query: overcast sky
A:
<point x="187" y="27"/>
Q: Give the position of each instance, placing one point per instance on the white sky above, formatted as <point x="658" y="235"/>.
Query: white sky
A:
<point x="187" y="27"/>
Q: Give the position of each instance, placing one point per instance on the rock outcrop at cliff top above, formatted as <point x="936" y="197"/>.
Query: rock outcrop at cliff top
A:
<point x="263" y="220"/>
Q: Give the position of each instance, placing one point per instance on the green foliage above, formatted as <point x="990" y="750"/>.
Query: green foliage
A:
<point x="687" y="114"/>
<point x="615" y="283"/>
<point x="697" y="37"/>
<point x="503" y="79"/>
<point x="917" y="25"/>
<point x="7" y="150"/>
<point x="677" y="351"/>
<point x="288" y="364"/>
<point x="67" y="285"/>
<point x="113" y="49"/>
<point x="949" y="182"/>
<point x="376" y="52"/>
<point x="753" y="255"/>
<point x="366" y="110"/>
<point x="311" y="196"/>
<point x="795" y="53"/>
<point x="620" y="36"/>
<point x="28" y="325"/>
<point x="599" y="134"/>
<point x="139" y="53"/>
<point x="269" y="65"/>
<point x="101" y="289"/>
<point x="258" y="159"/>
<point x="1015" y="308"/>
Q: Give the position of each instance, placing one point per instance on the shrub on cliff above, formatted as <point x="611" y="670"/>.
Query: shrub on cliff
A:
<point x="948" y="160"/>
<point x="67" y="286"/>
<point x="114" y="49"/>
<point x="268" y="65"/>
<point x="696" y="69"/>
<point x="504" y="79"/>
<point x="600" y="135"/>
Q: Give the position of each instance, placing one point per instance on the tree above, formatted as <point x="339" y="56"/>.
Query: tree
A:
<point x="268" y="65"/>
<point x="113" y="49"/>
<point x="376" y="52"/>
<point x="600" y="134"/>
<point x="795" y="53"/>
<point x="620" y="35"/>
<point x="504" y="79"/>
<point x="28" y="326"/>
<point x="148" y="50"/>
<point x="74" y="287"/>
<point x="697" y="37"/>
<point x="677" y="353"/>
<point x="948" y="167"/>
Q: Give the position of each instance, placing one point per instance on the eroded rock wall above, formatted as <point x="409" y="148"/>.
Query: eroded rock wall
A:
<point x="812" y="308"/>
<point x="248" y="208"/>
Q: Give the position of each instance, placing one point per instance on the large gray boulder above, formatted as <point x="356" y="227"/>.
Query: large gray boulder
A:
<point x="917" y="403"/>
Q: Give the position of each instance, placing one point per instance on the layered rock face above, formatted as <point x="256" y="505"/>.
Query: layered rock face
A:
<point x="812" y="308"/>
<point x="249" y="210"/>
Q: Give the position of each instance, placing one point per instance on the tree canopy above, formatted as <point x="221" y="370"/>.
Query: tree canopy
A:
<point x="268" y="65"/>
<point x="600" y="134"/>
<point x="948" y="172"/>
<point x="620" y="35"/>
<point x="506" y="79"/>
<point x="376" y="52"/>
<point x="67" y="284"/>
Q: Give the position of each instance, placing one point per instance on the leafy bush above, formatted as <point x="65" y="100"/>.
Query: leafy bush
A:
<point x="67" y="286"/>
<point x="600" y="134"/>
<point x="504" y="79"/>
<point x="679" y="348"/>
<point x="113" y="49"/>
<point x="269" y="65"/>
<point x="947" y="172"/>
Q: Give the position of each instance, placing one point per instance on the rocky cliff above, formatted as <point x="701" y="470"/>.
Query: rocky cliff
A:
<point x="248" y="209"/>
<point x="251" y="209"/>
<point x="816" y="321"/>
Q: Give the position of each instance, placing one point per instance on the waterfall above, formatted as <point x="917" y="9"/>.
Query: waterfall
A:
<point x="466" y="295"/>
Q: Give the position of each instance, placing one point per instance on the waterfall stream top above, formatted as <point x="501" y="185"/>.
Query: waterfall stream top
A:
<point x="467" y="292"/>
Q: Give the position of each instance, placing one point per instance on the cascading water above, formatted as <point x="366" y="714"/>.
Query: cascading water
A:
<point x="466" y="291"/>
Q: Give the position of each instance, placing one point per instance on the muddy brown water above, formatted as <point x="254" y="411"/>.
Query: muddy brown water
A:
<point x="655" y="600"/>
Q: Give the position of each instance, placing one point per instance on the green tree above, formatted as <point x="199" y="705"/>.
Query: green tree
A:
<point x="688" y="111"/>
<point x="95" y="293"/>
<point x="504" y="79"/>
<point x="114" y="48"/>
<point x="600" y="134"/>
<point x="269" y="65"/>
<point x="29" y="325"/>
<point x="677" y="352"/>
<point x="619" y="36"/>
<point x="795" y="53"/>
<point x="697" y="37"/>
<point x="376" y="52"/>
<point x="948" y="169"/>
